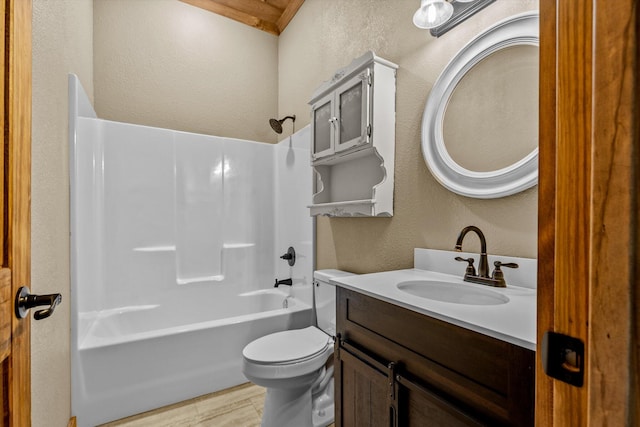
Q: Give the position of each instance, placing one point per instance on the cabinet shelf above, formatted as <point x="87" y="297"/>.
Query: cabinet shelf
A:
<point x="347" y="208"/>
<point x="353" y="140"/>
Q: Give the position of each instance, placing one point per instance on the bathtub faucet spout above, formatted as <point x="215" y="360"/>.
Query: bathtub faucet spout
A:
<point x="287" y="282"/>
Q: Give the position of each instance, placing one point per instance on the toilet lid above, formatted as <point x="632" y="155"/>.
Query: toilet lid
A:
<point x="287" y="346"/>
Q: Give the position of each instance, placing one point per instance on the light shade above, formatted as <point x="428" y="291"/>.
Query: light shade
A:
<point x="432" y="13"/>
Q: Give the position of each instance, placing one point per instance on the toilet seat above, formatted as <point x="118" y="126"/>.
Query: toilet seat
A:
<point x="287" y="354"/>
<point x="287" y="346"/>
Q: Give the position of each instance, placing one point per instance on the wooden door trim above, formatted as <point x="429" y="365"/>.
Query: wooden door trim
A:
<point x="613" y="242"/>
<point x="17" y="163"/>
<point x="546" y="203"/>
<point x="6" y="313"/>
<point x="588" y="223"/>
<point x="634" y="392"/>
<point x="573" y="193"/>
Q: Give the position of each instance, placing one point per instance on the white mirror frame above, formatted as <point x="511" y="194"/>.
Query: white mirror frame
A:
<point x="522" y="29"/>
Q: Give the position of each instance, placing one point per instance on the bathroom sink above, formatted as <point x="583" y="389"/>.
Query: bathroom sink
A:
<point x="452" y="292"/>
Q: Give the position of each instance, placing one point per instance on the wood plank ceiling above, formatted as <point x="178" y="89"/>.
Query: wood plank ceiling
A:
<point x="271" y="16"/>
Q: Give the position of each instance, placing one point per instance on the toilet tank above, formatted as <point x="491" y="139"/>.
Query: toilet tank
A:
<point x="324" y="299"/>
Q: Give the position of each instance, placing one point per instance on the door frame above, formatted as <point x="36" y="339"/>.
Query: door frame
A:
<point x="17" y="200"/>
<point x="588" y="235"/>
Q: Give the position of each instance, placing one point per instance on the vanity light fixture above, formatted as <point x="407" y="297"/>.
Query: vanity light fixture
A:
<point x="432" y="13"/>
<point x="439" y="16"/>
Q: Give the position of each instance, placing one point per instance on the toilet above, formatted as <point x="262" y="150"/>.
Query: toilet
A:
<point x="291" y="365"/>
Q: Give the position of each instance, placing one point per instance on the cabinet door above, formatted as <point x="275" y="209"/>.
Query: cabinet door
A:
<point x="418" y="406"/>
<point x="353" y="100"/>
<point x="362" y="394"/>
<point x="323" y="125"/>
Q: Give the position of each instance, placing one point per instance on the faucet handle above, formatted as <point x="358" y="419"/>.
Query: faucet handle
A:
<point x="471" y="270"/>
<point x="499" y="264"/>
<point x="498" y="274"/>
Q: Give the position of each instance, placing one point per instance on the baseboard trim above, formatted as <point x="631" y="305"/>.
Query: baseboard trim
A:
<point x="72" y="422"/>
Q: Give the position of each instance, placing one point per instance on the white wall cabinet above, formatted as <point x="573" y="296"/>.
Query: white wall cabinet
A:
<point x="353" y="139"/>
<point x="342" y="119"/>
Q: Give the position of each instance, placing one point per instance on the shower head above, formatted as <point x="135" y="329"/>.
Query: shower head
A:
<point x="276" y="125"/>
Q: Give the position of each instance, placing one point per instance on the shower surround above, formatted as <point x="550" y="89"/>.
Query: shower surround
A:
<point x="175" y="245"/>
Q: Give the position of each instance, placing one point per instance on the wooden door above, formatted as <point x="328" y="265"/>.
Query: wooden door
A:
<point x="15" y="211"/>
<point x="588" y="207"/>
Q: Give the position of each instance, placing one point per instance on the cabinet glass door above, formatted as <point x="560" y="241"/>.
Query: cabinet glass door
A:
<point x="353" y="112"/>
<point x="323" y="128"/>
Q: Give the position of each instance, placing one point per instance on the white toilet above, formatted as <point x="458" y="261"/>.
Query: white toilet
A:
<point x="291" y="365"/>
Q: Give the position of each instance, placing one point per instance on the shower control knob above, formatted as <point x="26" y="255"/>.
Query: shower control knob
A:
<point x="290" y="256"/>
<point x="25" y="301"/>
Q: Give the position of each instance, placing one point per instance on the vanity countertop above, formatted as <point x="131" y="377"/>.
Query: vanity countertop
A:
<point x="513" y="321"/>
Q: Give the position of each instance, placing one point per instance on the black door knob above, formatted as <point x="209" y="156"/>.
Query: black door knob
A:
<point x="26" y="301"/>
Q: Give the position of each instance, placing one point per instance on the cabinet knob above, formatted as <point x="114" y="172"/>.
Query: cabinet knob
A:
<point x="333" y="120"/>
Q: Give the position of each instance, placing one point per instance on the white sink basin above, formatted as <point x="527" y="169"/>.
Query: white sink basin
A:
<point x="452" y="292"/>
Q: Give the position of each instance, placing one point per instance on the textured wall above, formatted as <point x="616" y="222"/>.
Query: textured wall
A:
<point x="328" y="34"/>
<point x="62" y="43"/>
<point x="168" y="64"/>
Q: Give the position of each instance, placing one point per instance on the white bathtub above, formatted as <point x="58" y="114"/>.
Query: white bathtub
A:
<point x="142" y="357"/>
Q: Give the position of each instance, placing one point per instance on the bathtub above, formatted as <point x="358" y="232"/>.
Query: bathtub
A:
<point x="140" y="357"/>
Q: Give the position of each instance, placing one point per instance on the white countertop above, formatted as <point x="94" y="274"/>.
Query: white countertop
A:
<point x="513" y="321"/>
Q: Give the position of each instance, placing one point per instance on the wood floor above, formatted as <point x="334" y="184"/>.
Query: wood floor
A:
<point x="239" y="406"/>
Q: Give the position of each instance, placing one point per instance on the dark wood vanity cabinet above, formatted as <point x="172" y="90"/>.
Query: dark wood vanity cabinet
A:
<point x="396" y="367"/>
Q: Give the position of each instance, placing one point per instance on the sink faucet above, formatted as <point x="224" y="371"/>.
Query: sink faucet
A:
<point x="482" y="277"/>
<point x="483" y="268"/>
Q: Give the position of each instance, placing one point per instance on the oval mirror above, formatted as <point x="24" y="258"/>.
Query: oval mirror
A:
<point x="480" y="123"/>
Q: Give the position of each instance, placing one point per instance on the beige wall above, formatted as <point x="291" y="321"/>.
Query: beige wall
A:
<point x="168" y="64"/>
<point x="62" y="43"/>
<point x="328" y="34"/>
